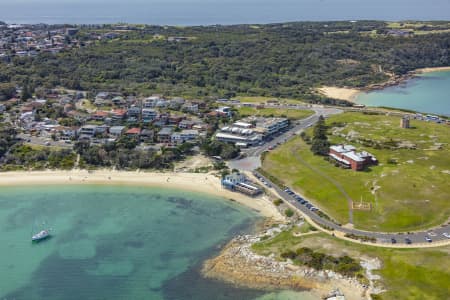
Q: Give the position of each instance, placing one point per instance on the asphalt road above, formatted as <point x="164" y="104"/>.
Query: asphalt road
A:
<point x="253" y="161"/>
<point x="416" y="237"/>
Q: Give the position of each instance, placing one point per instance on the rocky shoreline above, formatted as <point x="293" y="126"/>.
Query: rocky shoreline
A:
<point x="350" y="93"/>
<point x="399" y="79"/>
<point x="239" y="265"/>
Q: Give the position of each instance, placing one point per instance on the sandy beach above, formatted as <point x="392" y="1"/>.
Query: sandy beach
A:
<point x="429" y="70"/>
<point x="195" y="182"/>
<point x="347" y="94"/>
<point x="350" y="94"/>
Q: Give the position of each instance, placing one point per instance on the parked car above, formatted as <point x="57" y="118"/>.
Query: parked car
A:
<point x="408" y="241"/>
<point x="446" y="234"/>
<point x="393" y="241"/>
<point x="428" y="239"/>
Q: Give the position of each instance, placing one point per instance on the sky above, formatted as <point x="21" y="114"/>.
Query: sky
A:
<point x="190" y="12"/>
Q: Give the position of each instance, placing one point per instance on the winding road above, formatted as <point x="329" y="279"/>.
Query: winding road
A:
<point x="252" y="161"/>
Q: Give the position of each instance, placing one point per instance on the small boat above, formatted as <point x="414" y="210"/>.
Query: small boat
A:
<point x="42" y="235"/>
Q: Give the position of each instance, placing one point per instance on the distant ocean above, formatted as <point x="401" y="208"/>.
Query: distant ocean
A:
<point x="428" y="93"/>
<point x="207" y="12"/>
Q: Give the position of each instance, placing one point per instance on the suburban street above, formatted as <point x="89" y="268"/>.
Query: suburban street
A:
<point x="252" y="159"/>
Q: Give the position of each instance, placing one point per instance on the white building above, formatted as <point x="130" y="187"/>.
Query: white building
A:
<point x="89" y="130"/>
<point x="151" y="101"/>
<point x="116" y="131"/>
<point x="149" y="114"/>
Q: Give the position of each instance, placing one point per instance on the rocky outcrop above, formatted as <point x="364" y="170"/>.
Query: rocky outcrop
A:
<point x="238" y="264"/>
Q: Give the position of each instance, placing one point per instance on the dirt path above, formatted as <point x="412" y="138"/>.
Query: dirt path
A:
<point x="328" y="178"/>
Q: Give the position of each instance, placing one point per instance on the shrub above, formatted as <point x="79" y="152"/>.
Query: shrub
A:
<point x="289" y="212"/>
<point x="278" y="202"/>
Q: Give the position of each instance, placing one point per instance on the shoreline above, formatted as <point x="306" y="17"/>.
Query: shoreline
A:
<point x="239" y="265"/>
<point x="350" y="94"/>
<point x="205" y="183"/>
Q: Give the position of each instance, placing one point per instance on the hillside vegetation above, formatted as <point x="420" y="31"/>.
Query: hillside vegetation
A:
<point x="279" y="60"/>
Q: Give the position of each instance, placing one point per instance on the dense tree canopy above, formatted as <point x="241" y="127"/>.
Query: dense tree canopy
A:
<point x="282" y="60"/>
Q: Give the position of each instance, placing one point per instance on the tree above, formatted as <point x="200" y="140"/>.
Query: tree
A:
<point x="320" y="144"/>
<point x="26" y="93"/>
<point x="7" y="91"/>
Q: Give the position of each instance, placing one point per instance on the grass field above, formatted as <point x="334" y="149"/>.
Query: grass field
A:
<point x="263" y="100"/>
<point x="408" y="190"/>
<point x="293" y="114"/>
<point x="405" y="273"/>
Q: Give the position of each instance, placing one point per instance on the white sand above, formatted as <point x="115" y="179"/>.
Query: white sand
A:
<point x="347" y="94"/>
<point x="196" y="182"/>
<point x="429" y="70"/>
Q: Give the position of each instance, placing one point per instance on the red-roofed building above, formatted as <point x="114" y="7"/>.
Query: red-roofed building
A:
<point x="119" y="114"/>
<point x="133" y="131"/>
<point x="100" y="115"/>
<point x="347" y="157"/>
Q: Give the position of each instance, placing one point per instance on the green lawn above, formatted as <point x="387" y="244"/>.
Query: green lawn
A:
<point x="406" y="273"/>
<point x="293" y="114"/>
<point x="262" y="100"/>
<point x="408" y="189"/>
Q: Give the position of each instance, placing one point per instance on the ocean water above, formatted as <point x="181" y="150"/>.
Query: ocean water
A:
<point x="428" y="93"/>
<point x="117" y="243"/>
<point x="206" y="12"/>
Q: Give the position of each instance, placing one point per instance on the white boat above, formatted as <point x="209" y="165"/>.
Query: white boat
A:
<point x="40" y="236"/>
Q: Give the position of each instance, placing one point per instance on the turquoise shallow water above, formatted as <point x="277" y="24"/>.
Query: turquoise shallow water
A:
<point x="428" y="93"/>
<point x="117" y="243"/>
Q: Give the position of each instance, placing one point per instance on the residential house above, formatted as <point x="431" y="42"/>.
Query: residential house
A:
<point x="190" y="107"/>
<point x="164" y="135"/>
<point x="88" y="130"/>
<point x="175" y="120"/>
<point x="77" y="115"/>
<point x="118" y="115"/>
<point x="118" y="101"/>
<point x="116" y="131"/>
<point x="189" y="134"/>
<point x="102" y="128"/>
<point x="134" y="111"/>
<point x="133" y="132"/>
<point x="224" y="111"/>
<point x="103" y="98"/>
<point x="151" y="101"/>
<point x="176" y="103"/>
<point x="176" y="139"/>
<point x="186" y="124"/>
<point x="148" y="115"/>
<point x="147" y="135"/>
<point x="99" y="115"/>
<point x="162" y="103"/>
